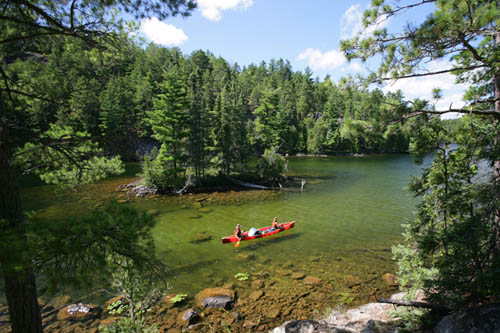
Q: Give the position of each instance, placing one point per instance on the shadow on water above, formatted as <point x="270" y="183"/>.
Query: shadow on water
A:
<point x="190" y="268"/>
<point x="266" y="242"/>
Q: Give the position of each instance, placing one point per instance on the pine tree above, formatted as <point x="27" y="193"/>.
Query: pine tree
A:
<point x="169" y="123"/>
<point x="455" y="241"/>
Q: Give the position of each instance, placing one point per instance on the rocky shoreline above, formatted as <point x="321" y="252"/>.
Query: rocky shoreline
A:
<point x="257" y="304"/>
<point x="221" y="309"/>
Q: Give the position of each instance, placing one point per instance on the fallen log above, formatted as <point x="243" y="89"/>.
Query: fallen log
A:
<point x="424" y="305"/>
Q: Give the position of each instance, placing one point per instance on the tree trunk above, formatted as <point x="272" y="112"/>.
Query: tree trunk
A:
<point x="423" y="305"/>
<point x="496" y="165"/>
<point x="20" y="285"/>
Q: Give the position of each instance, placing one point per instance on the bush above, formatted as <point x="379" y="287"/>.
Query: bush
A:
<point x="158" y="173"/>
<point x="272" y="165"/>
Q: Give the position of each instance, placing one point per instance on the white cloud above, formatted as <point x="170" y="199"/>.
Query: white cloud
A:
<point x="354" y="67"/>
<point x="162" y="33"/>
<point x="211" y="9"/>
<point x="352" y="23"/>
<point x="421" y="87"/>
<point x="323" y="61"/>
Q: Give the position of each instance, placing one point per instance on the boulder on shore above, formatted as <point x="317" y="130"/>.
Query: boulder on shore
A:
<point x="189" y="317"/>
<point x="214" y="298"/>
<point x="366" y="318"/>
<point x="484" y="319"/>
<point x="79" y="312"/>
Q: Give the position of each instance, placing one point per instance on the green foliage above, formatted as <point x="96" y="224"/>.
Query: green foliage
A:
<point x="72" y="251"/>
<point x="169" y="124"/>
<point x="66" y="157"/>
<point x="271" y="165"/>
<point x="127" y="325"/>
<point x="178" y="298"/>
<point x="241" y="276"/>
<point x="115" y="241"/>
<point x="156" y="173"/>
<point x="117" y="308"/>
<point x="452" y="249"/>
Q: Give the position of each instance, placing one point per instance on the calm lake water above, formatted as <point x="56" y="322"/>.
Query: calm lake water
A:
<point x="347" y="218"/>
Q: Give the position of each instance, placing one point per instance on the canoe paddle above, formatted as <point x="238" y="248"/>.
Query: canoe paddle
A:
<point x="237" y="243"/>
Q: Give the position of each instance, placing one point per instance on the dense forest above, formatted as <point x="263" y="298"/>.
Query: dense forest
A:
<point x="203" y="114"/>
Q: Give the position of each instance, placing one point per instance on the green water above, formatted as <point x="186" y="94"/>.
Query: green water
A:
<point x="347" y="218"/>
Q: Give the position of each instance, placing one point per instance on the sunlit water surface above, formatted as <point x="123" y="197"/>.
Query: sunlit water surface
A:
<point x="347" y="218"/>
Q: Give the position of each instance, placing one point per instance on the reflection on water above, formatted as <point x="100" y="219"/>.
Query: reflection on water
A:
<point x="347" y="218"/>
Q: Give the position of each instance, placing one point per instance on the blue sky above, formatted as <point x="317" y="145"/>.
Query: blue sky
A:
<point x="307" y="33"/>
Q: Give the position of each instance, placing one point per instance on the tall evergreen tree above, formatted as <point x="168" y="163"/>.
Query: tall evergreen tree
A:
<point x="169" y="122"/>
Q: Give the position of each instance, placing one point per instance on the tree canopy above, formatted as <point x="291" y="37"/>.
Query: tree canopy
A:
<point x="452" y="249"/>
<point x="38" y="115"/>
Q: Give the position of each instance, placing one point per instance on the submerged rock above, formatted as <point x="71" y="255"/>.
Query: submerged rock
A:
<point x="312" y="280"/>
<point x="273" y="313"/>
<point x="298" y="276"/>
<point x="200" y="237"/>
<point x="249" y="324"/>
<point x="284" y="272"/>
<point x="246" y="256"/>
<point x="390" y="279"/>
<point x="258" y="284"/>
<point x="153" y="212"/>
<point x="256" y="295"/>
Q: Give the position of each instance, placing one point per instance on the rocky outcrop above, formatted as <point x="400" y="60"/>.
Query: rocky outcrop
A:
<point x="372" y="317"/>
<point x="485" y="319"/>
<point x="137" y="189"/>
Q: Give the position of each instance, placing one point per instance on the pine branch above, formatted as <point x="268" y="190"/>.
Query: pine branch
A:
<point x="489" y="113"/>
<point x="399" y="9"/>
<point x="434" y="73"/>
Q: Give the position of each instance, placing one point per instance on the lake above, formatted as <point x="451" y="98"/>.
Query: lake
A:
<point x="347" y="218"/>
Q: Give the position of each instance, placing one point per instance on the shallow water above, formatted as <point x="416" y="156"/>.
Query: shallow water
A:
<point x="347" y="218"/>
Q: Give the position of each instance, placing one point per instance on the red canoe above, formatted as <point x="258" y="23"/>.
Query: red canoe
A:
<point x="264" y="232"/>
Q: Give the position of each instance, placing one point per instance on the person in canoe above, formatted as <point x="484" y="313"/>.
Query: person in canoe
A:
<point x="238" y="232"/>
<point x="275" y="223"/>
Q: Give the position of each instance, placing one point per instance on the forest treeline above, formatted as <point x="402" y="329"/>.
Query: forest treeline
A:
<point x="207" y="114"/>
